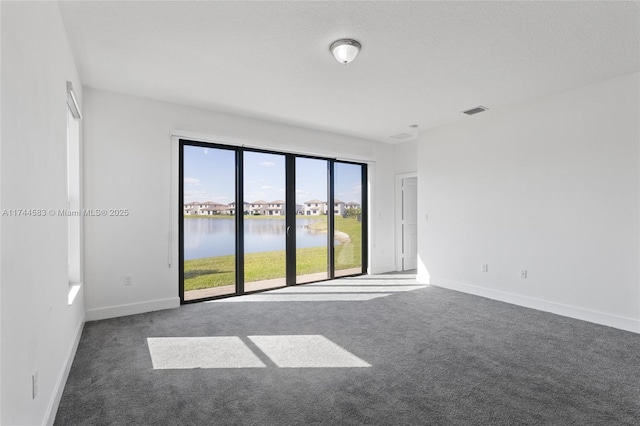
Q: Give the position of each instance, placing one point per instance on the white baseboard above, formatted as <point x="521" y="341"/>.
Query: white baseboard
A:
<point x="131" y="309"/>
<point x="54" y="403"/>
<point x="602" y="318"/>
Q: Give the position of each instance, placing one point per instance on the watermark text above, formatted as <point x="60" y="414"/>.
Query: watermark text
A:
<point x="64" y="213"/>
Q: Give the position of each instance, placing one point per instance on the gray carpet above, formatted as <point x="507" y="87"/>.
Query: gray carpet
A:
<point x="437" y="357"/>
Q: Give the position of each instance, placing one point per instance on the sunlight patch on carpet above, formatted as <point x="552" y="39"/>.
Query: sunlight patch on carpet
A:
<point x="306" y="351"/>
<point x="347" y="289"/>
<point x="273" y="296"/>
<point x="201" y="352"/>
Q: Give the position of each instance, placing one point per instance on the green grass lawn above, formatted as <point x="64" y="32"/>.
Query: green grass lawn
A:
<point x="220" y="271"/>
<point x="346" y="255"/>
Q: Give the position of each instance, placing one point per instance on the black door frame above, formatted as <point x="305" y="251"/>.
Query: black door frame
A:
<point x="290" y="215"/>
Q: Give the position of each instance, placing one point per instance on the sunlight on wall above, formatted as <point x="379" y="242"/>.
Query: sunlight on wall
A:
<point x="73" y="292"/>
<point x="423" y="275"/>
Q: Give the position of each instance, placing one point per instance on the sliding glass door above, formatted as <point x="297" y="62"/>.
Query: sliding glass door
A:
<point x="312" y="245"/>
<point x="348" y="219"/>
<point x="265" y="225"/>
<point x="208" y="222"/>
<point x="254" y="220"/>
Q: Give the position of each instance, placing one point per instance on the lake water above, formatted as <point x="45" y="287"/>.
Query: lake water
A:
<point x="216" y="237"/>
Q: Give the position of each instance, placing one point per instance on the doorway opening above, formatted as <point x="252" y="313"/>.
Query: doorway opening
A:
<point x="406" y="222"/>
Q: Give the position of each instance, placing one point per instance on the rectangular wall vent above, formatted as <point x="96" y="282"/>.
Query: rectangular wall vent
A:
<point x="401" y="136"/>
<point x="475" y="110"/>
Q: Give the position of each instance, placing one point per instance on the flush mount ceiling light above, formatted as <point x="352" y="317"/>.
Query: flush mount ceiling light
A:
<point x="345" y="50"/>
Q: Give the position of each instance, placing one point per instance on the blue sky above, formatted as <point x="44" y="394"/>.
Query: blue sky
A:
<point x="209" y="175"/>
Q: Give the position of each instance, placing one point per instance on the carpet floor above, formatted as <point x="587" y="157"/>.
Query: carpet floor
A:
<point x="370" y="350"/>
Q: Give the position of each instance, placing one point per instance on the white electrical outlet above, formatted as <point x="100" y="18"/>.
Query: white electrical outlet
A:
<point x="127" y="280"/>
<point x="34" y="385"/>
<point x="484" y="267"/>
<point x="523" y="273"/>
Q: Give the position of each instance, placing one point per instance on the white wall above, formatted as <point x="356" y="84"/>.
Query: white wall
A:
<point x="0" y="220"/>
<point x="39" y="328"/>
<point x="551" y="186"/>
<point x="129" y="164"/>
<point x="405" y="157"/>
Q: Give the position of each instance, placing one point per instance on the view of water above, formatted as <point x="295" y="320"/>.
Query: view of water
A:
<point x="216" y="237"/>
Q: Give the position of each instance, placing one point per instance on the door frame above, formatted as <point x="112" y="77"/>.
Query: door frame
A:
<point x="398" y="214"/>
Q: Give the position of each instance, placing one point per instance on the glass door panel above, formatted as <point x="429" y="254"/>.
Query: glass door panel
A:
<point x="209" y="242"/>
<point x="311" y="220"/>
<point x="264" y="221"/>
<point x="254" y="220"/>
<point x="347" y="211"/>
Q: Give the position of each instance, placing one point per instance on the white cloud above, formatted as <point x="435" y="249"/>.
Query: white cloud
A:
<point x="255" y="196"/>
<point x="191" y="181"/>
<point x="195" y="195"/>
<point x="356" y="191"/>
<point x="268" y="164"/>
<point x="267" y="187"/>
<point x="199" y="195"/>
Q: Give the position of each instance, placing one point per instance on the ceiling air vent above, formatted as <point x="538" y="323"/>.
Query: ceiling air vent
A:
<point x="401" y="136"/>
<point x="475" y="110"/>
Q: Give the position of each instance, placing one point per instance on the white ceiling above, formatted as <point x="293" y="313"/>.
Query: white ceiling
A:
<point x="421" y="62"/>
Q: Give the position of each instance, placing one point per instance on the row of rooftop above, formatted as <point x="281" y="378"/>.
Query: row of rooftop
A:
<point x="267" y="208"/>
